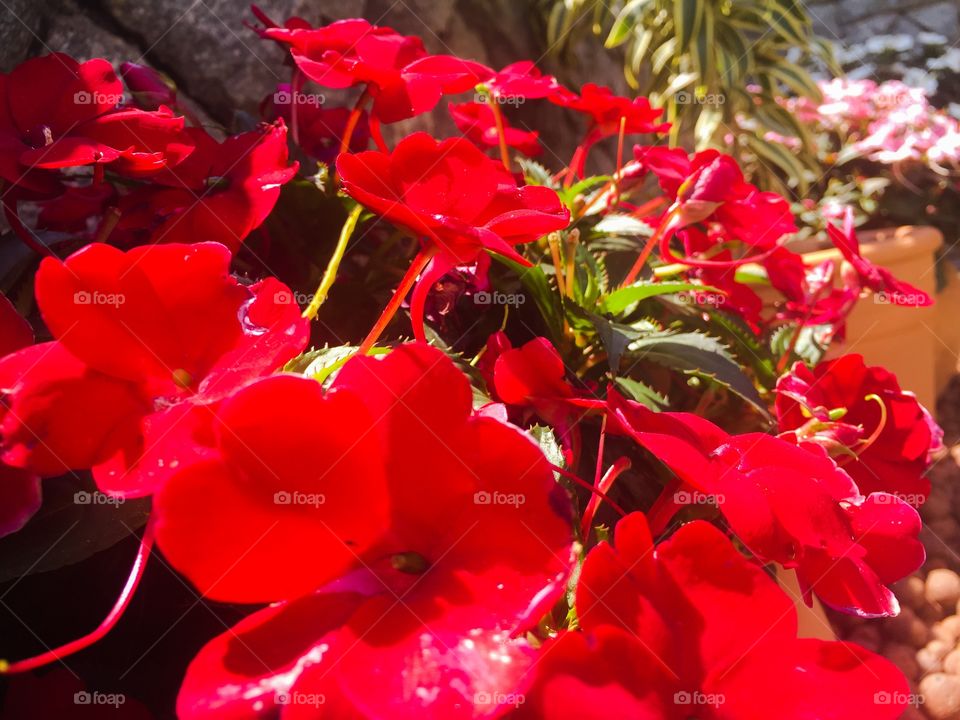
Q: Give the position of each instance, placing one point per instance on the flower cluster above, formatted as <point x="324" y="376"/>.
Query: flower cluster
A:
<point x="409" y="520"/>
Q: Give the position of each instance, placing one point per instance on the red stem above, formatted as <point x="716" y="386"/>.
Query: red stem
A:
<point x="501" y="131"/>
<point x="119" y="608"/>
<point x="353" y="120"/>
<point x="26" y="237"/>
<point x="408" y="281"/>
<point x="648" y="248"/>
<point x="377" y="135"/>
<point x="596" y="491"/>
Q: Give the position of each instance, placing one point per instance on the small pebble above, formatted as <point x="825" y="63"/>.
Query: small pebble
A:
<point x="947" y="630"/>
<point x="930" y="658"/>
<point x="943" y="587"/>
<point x="951" y="663"/>
<point x="941" y="696"/>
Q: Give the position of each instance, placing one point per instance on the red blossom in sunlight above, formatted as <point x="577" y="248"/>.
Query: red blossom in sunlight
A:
<point x="402" y="77"/>
<point x="146" y="342"/>
<point x="789" y="504"/>
<point x="709" y="188"/>
<point x="609" y="115"/>
<point x="871" y="276"/>
<point x="450" y="528"/>
<point x="19" y="489"/>
<point x="523" y="80"/>
<point x="897" y="433"/>
<point x="477" y="122"/>
<point x="811" y="296"/>
<point x="221" y="193"/>
<point x="58" y="113"/>
<point x="455" y="199"/>
<point x="452" y="196"/>
<point x="692" y="628"/>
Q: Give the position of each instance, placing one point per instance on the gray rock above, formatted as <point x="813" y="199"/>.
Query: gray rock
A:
<point x="20" y="22"/>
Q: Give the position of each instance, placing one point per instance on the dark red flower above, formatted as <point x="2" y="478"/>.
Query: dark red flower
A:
<point x="19" y="489"/>
<point x="149" y="88"/>
<point x="897" y="433"/>
<point x="477" y="122"/>
<point x="871" y="276"/>
<point x="709" y="188"/>
<point x="146" y="343"/>
<point x="221" y="193"/>
<point x="403" y="78"/>
<point x="320" y="130"/>
<point x="690" y="628"/>
<point x="451" y="526"/>
<point x="458" y="201"/>
<point x="58" y="113"/>
<point x="788" y="504"/>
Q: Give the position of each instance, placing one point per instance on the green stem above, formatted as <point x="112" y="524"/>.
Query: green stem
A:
<point x="346" y="232"/>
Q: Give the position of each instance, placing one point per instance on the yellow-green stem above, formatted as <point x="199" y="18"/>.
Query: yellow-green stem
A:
<point x="330" y="274"/>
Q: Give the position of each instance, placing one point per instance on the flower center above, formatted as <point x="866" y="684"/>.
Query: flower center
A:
<point x="39" y="136"/>
<point x="411" y="563"/>
<point x="182" y="379"/>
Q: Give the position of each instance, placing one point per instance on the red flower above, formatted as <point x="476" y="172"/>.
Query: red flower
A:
<point x="476" y="121"/>
<point x="149" y="88"/>
<point x="146" y="342"/>
<point x="456" y="199"/>
<point x="453" y="196"/>
<point x="871" y="276"/>
<point x="58" y="113"/>
<point x="523" y="80"/>
<point x="320" y="130"/>
<point x="403" y="78"/>
<point x="609" y="115"/>
<point x="691" y="628"/>
<point x="902" y="434"/>
<point x="533" y="379"/>
<point x="788" y="504"/>
<point x="19" y="489"/>
<point x="810" y="294"/>
<point x="222" y="192"/>
<point x="709" y="188"/>
<point x="451" y="525"/>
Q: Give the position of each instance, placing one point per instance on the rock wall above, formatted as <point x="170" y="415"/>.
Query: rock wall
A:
<point x="858" y="20"/>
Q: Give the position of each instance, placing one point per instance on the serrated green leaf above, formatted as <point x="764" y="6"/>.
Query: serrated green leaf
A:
<point x="701" y="355"/>
<point x="641" y="393"/>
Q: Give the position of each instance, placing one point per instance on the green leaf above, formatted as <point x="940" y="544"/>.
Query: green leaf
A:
<point x="535" y="281"/>
<point x="619" y="300"/>
<point x="617" y="224"/>
<point x="686" y="20"/>
<point x="642" y="393"/>
<point x="547" y="440"/>
<point x="625" y="22"/>
<point x="700" y="355"/>
<point x="74" y="522"/>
